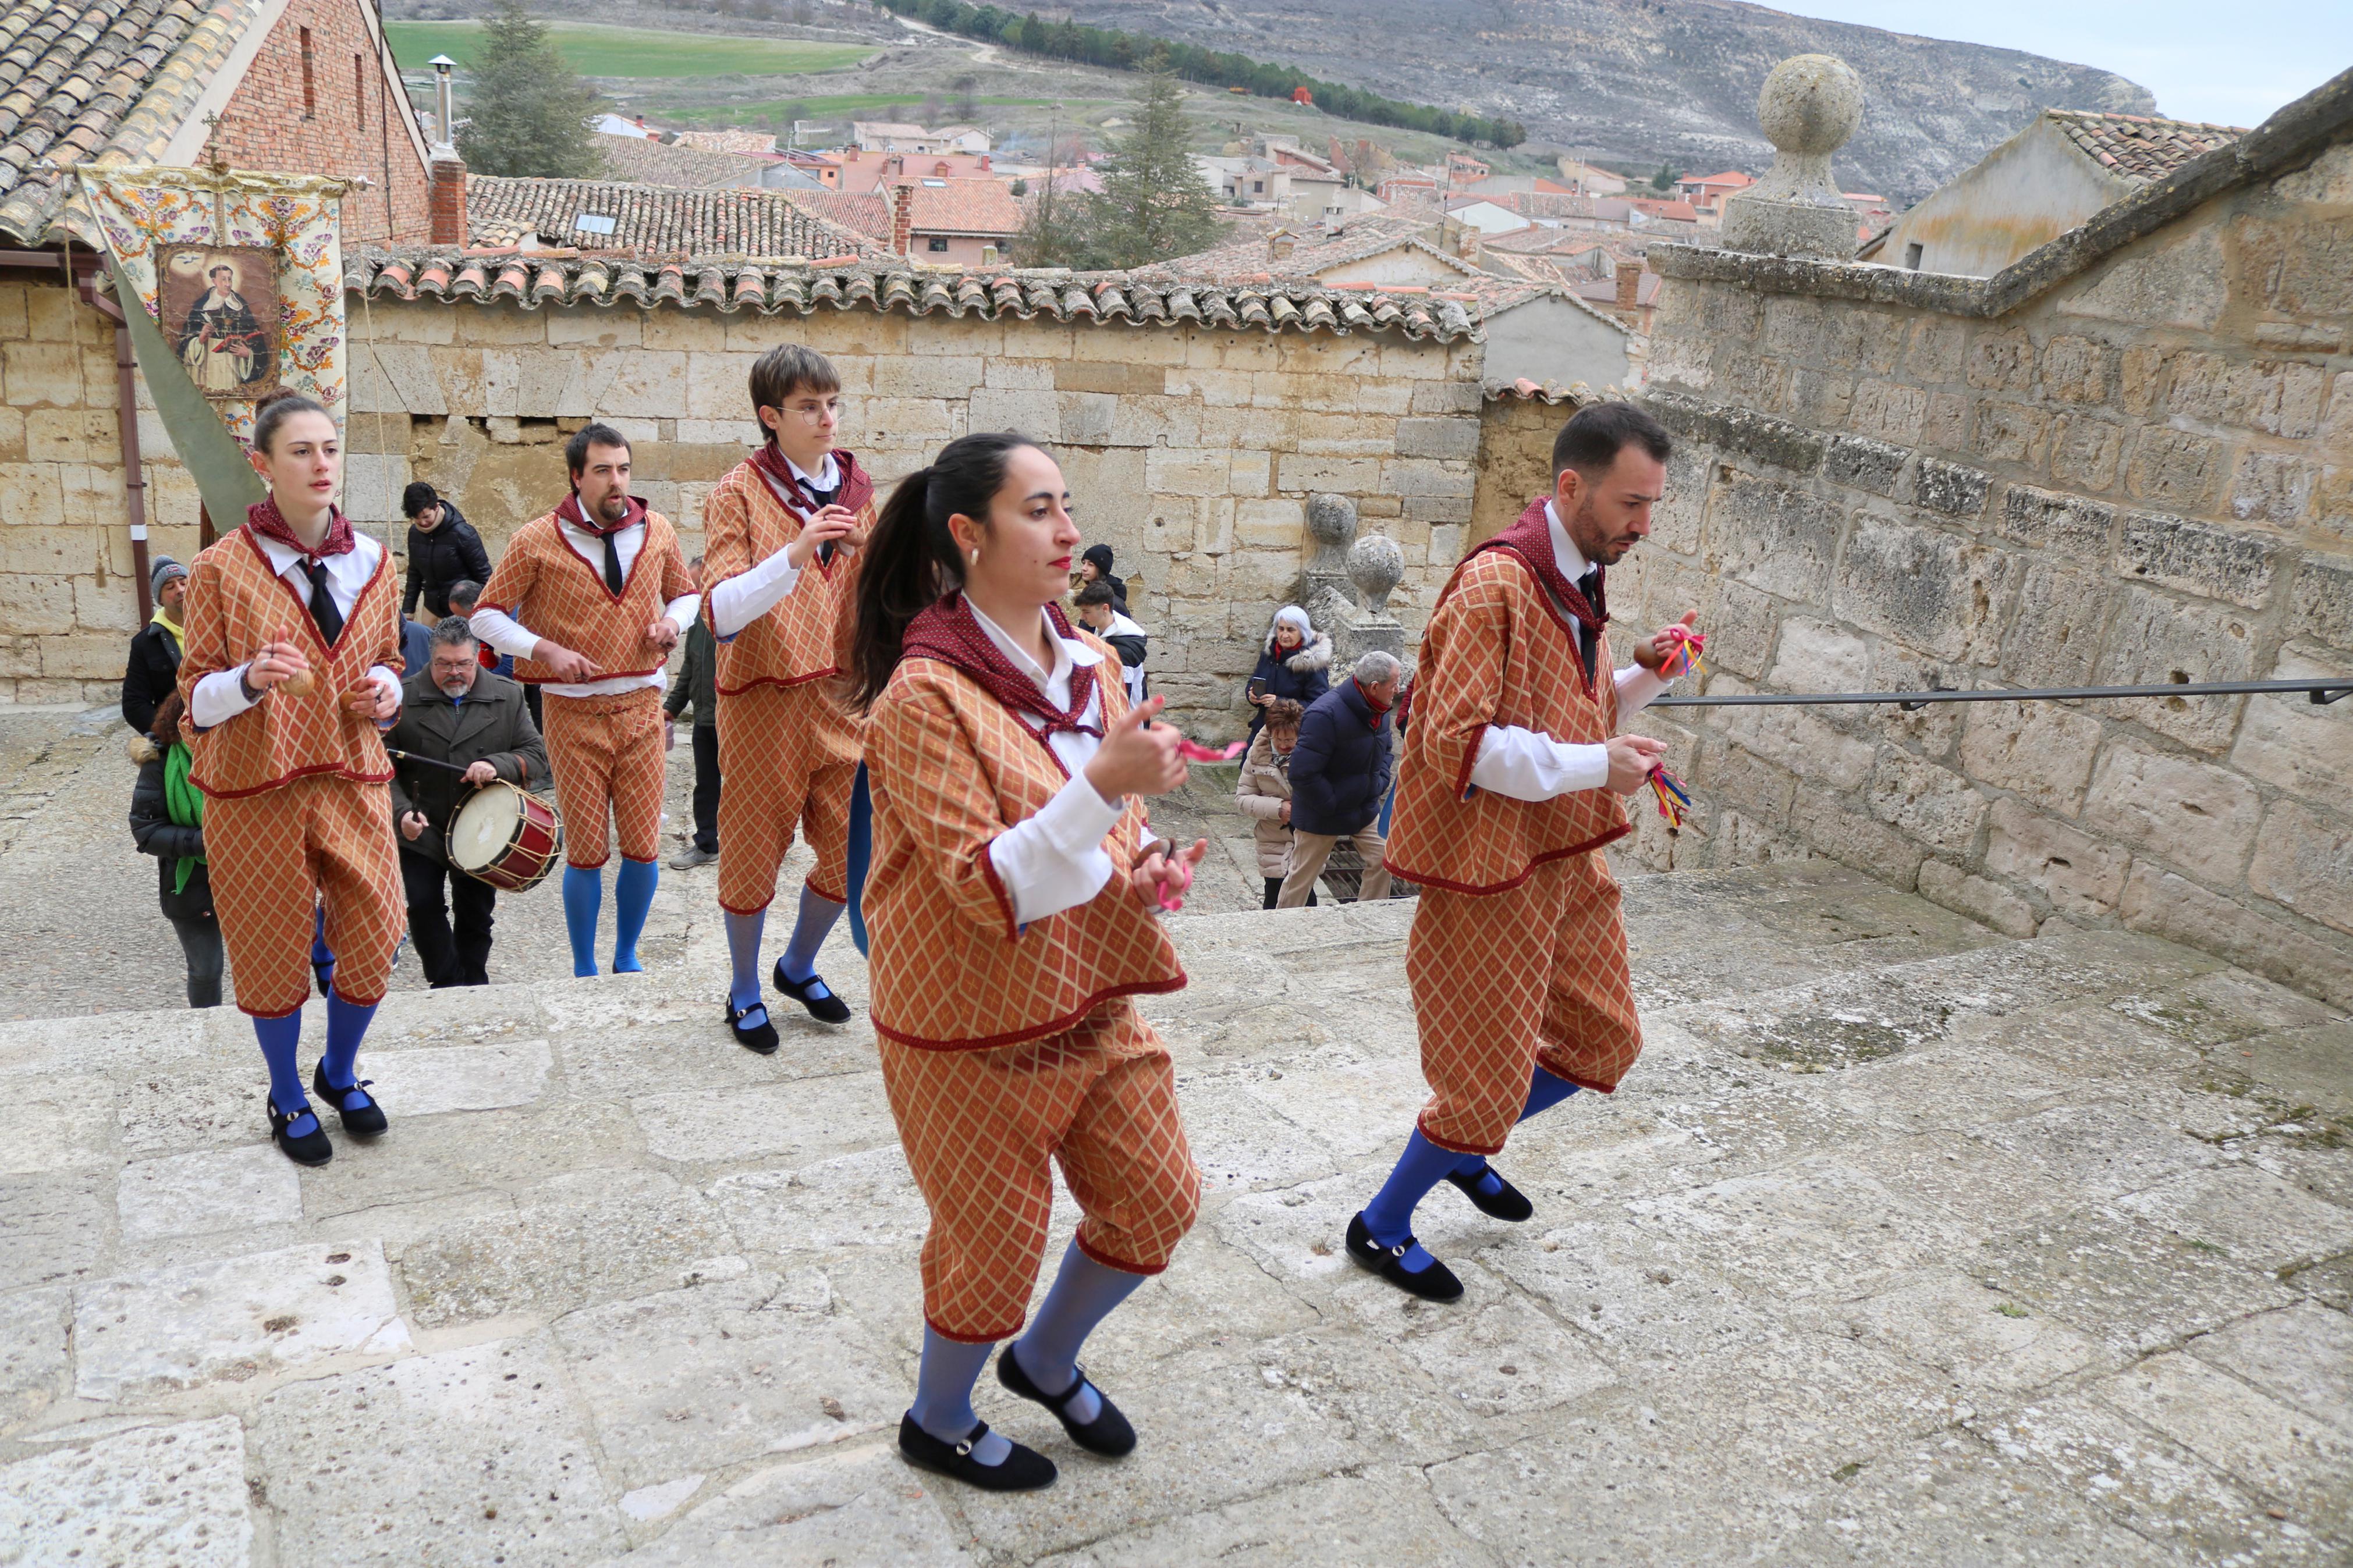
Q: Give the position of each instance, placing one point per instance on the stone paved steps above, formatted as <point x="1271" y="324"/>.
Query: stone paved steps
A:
<point x="1905" y="1241"/>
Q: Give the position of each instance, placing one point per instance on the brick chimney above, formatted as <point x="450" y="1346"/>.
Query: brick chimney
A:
<point x="1630" y="289"/>
<point x="902" y="219"/>
<point x="1279" y="247"/>
<point x="447" y="203"/>
<point x="985" y="165"/>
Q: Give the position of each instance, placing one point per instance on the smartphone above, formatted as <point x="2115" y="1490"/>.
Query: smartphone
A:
<point x="1257" y="687"/>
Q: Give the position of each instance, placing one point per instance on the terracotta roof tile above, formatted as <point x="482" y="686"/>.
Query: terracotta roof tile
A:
<point x="641" y="160"/>
<point x="2138" y="147"/>
<point x="980" y="207"/>
<point x="651" y="220"/>
<point x="103" y="81"/>
<point x="849" y="283"/>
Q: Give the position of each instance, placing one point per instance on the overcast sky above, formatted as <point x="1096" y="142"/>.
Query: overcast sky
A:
<point x="2231" y="64"/>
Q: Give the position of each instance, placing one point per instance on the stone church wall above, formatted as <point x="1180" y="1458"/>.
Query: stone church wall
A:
<point x="2142" y="476"/>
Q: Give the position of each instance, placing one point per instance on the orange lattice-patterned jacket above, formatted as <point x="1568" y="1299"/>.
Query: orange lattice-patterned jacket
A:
<point x="951" y="768"/>
<point x="805" y="635"/>
<point x="236" y="603"/>
<point x="554" y="590"/>
<point x="1498" y="650"/>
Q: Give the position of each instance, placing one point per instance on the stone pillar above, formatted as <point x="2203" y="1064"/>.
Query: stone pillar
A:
<point x="1810" y="106"/>
<point x="1331" y="529"/>
<point x="1375" y="566"/>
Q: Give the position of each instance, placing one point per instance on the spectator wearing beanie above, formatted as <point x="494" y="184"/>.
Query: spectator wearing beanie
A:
<point x="154" y="667"/>
<point x="1094" y="567"/>
<point x="443" y="550"/>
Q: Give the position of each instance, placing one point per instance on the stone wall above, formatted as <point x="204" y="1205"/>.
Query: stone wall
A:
<point x="1191" y="450"/>
<point x="2142" y="474"/>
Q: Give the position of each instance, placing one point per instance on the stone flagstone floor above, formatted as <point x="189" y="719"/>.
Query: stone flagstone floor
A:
<point x="1905" y="1243"/>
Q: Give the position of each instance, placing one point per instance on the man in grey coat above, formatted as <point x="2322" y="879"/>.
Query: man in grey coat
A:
<point x="455" y="713"/>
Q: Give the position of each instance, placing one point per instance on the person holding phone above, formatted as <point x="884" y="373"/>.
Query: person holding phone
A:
<point x="1295" y="663"/>
<point x="1011" y="914"/>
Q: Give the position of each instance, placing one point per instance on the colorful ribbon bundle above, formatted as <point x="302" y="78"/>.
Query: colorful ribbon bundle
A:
<point x="1194" y="752"/>
<point x="1680" y="649"/>
<point x="1673" y="799"/>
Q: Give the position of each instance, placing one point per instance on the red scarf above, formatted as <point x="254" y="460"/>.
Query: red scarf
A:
<point x="1529" y="541"/>
<point x="1379" y="707"/>
<point x="573" y="513"/>
<point x="949" y="632"/>
<point x="268" y="522"/>
<point x="855" y="487"/>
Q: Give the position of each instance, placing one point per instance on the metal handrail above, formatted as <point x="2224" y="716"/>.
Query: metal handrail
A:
<point x="2320" y="692"/>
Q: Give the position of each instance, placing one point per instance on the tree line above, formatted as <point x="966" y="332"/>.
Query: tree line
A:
<point x="1120" y="50"/>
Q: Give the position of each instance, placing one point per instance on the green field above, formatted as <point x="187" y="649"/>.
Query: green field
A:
<point x="775" y="111"/>
<point x="601" y="51"/>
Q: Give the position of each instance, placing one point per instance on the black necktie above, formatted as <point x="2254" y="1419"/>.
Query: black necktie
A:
<point x="819" y="500"/>
<point x="1590" y="586"/>
<point x="613" y="561"/>
<point x="323" y="603"/>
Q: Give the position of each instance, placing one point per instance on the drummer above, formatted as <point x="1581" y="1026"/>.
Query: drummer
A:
<point x="461" y="727"/>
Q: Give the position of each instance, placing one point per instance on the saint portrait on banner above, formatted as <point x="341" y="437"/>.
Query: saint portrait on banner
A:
<point x="221" y="316"/>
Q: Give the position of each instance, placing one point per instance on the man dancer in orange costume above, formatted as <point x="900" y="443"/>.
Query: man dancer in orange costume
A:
<point x="782" y="533"/>
<point x="288" y="673"/>
<point x="1508" y="791"/>
<point x="589" y="600"/>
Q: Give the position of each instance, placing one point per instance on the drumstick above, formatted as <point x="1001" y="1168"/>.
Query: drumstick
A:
<point x="401" y="756"/>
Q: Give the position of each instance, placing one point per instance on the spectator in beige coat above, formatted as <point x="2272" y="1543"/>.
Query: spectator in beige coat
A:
<point x="1263" y="792"/>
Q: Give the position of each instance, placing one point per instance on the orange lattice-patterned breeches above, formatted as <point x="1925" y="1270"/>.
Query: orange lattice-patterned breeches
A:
<point x="788" y="760"/>
<point x="1505" y="982"/>
<point x="980" y="1128"/>
<point x="276" y="856"/>
<point x="607" y="756"/>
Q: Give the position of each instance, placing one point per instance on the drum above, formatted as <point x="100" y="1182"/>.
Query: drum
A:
<point x="508" y="838"/>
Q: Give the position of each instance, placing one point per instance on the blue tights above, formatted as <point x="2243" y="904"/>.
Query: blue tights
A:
<point x="583" y="898"/>
<point x="1389" y="1216"/>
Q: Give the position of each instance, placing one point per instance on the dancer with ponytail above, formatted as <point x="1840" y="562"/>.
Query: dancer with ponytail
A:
<point x="1011" y="917"/>
<point x="782" y="535"/>
<point x="290" y="675"/>
<point x="589" y="600"/>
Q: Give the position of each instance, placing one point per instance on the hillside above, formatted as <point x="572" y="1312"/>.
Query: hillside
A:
<point x="1649" y="81"/>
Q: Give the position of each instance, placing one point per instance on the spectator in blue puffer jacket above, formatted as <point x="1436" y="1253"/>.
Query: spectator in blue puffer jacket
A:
<point x="1339" y="777"/>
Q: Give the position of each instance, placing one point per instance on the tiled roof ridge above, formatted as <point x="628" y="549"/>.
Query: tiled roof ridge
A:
<point x="772" y="284"/>
<point x="2138" y="147"/>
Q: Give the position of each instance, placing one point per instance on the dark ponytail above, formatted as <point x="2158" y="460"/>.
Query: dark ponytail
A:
<point x="277" y="407"/>
<point x="911" y="559"/>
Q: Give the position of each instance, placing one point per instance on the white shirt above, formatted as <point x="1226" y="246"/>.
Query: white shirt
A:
<point x="1527" y="765"/>
<point x="746" y="596"/>
<point x="1055" y="860"/>
<point x="509" y="635"/>
<point x="1132" y="674"/>
<point x="220" y="696"/>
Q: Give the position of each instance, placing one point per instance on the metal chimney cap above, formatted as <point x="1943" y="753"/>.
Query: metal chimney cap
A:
<point x="442" y="63"/>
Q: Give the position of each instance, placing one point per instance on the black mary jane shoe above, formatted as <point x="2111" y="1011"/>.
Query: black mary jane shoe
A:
<point x="1435" y="1283"/>
<point x="760" y="1036"/>
<point x="1024" y="1470"/>
<point x="310" y="1148"/>
<point x="825" y="1009"/>
<point x="1108" y="1434"/>
<point x="1509" y="1204"/>
<point x="366" y="1119"/>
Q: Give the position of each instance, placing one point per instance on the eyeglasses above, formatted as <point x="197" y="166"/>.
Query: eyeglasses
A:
<point x="814" y="414"/>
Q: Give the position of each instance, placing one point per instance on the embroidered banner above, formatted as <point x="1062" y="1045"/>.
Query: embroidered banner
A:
<point x="242" y="272"/>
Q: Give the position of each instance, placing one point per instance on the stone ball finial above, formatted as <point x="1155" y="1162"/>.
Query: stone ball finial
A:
<point x="1811" y="104"/>
<point x="1330" y="520"/>
<point x="1375" y="565"/>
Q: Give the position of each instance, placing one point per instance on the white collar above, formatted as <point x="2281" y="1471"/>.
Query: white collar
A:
<point x="828" y="475"/>
<point x="1564" y="552"/>
<point x="359" y="561"/>
<point x="1069" y="652"/>
<point x="572" y="528"/>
